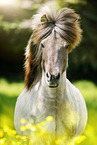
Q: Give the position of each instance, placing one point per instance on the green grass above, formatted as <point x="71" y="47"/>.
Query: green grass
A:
<point x="87" y="88"/>
<point x="9" y="91"/>
<point x="89" y="91"/>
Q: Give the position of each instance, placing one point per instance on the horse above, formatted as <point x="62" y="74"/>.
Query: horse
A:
<point x="47" y="91"/>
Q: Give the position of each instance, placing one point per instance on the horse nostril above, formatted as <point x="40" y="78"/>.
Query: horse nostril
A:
<point x="47" y="74"/>
<point x="51" y="77"/>
<point x="58" y="76"/>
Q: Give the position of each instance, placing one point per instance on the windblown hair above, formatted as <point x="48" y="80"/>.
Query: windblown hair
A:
<point x="65" y="23"/>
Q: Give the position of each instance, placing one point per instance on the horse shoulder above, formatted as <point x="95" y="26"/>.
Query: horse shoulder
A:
<point x="79" y="105"/>
<point x="22" y="108"/>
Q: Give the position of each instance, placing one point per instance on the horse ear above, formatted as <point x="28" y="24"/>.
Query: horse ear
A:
<point x="77" y="17"/>
<point x="44" y="18"/>
<point x="33" y="70"/>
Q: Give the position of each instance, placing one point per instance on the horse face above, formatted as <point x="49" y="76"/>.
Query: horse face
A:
<point x="55" y="57"/>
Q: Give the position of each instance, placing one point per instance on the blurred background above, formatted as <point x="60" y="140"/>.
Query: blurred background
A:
<point x="15" y="30"/>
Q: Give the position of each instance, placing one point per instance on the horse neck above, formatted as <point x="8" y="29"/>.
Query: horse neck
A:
<point x="52" y="92"/>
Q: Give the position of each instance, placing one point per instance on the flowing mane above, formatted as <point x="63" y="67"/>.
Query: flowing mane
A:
<point x="65" y="23"/>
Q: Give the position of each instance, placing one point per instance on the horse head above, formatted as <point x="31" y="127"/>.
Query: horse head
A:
<point x="54" y="36"/>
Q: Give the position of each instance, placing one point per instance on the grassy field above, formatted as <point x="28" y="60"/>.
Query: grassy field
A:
<point x="9" y="91"/>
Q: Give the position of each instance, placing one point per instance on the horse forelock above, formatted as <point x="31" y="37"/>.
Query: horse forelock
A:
<point x="64" y="22"/>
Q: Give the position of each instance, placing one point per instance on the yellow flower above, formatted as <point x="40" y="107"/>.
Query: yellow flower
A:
<point x="49" y="119"/>
<point x="57" y="141"/>
<point x="28" y="126"/>
<point x="6" y="129"/>
<point x="18" y="136"/>
<point x="43" y="123"/>
<point x="38" y="125"/>
<point x="79" y="139"/>
<point x="1" y="133"/>
<point x="23" y="128"/>
<point x="23" y="120"/>
<point x="24" y="137"/>
<point x="33" y="128"/>
<point x="70" y="143"/>
<point x="2" y="140"/>
<point x="14" y="132"/>
<point x="18" y="142"/>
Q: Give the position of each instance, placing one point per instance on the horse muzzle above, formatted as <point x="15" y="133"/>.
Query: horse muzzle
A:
<point x="52" y="80"/>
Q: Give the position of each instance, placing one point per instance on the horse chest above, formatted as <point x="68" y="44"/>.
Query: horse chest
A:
<point x="65" y="119"/>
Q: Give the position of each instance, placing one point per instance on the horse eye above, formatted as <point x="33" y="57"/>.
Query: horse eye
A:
<point x="42" y="45"/>
<point x="66" y="46"/>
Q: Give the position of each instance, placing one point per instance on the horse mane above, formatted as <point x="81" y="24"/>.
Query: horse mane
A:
<point x="33" y="70"/>
<point x="65" y="23"/>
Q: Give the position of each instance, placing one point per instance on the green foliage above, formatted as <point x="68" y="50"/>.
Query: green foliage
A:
<point x="13" y="40"/>
<point x="15" y="29"/>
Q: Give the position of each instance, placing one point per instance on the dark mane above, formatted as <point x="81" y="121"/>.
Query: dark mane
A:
<point x="65" y="23"/>
<point x="33" y="70"/>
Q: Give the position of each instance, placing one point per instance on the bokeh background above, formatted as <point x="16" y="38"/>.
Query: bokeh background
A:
<point x="15" y="30"/>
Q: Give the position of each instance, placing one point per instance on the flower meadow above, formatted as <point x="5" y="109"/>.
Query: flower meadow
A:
<point x="39" y="135"/>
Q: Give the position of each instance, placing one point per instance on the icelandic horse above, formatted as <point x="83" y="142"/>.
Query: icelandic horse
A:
<point x="48" y="92"/>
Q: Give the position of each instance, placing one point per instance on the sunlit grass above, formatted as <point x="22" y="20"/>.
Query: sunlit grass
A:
<point x="10" y="89"/>
<point x="87" y="88"/>
<point x="89" y="91"/>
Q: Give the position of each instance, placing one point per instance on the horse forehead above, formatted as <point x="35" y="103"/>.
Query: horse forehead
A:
<point x="54" y="40"/>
